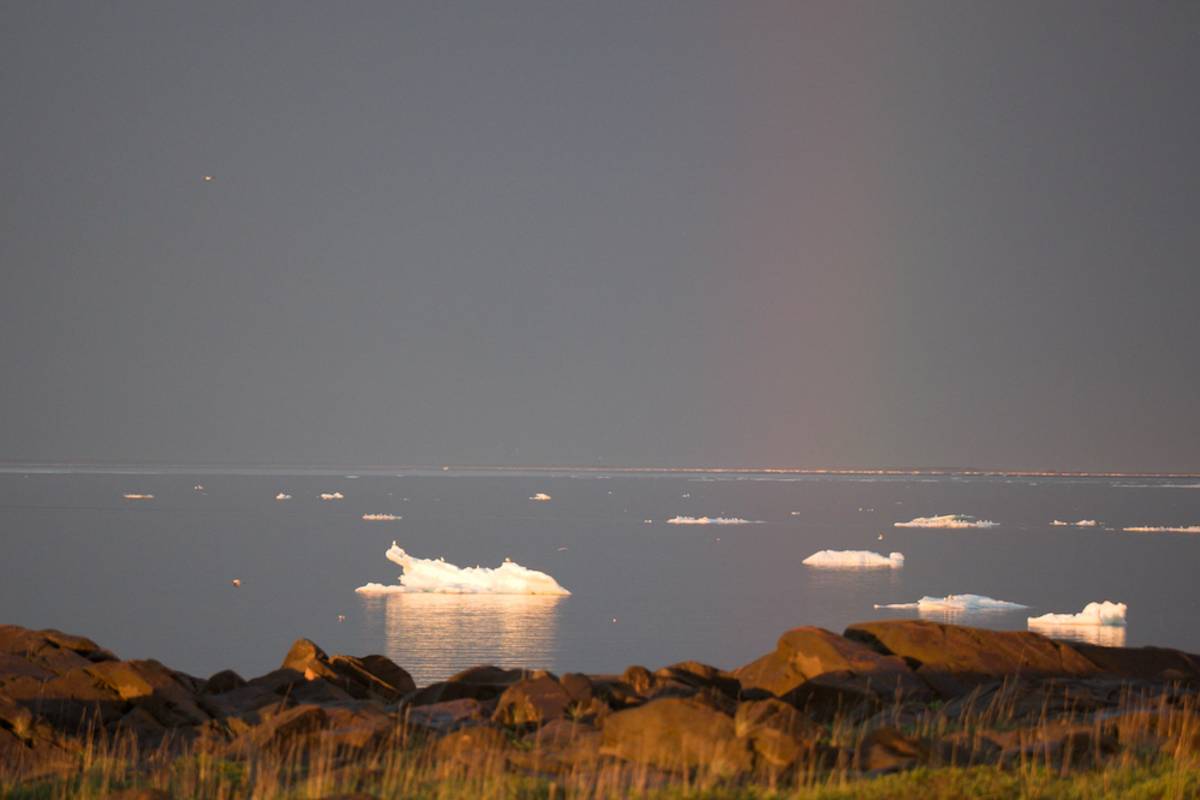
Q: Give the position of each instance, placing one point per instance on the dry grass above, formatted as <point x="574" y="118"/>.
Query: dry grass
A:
<point x="1146" y="746"/>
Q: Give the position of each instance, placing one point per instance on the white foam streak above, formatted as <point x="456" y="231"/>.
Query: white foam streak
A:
<point x="440" y="577"/>
<point x="957" y="602"/>
<point x="854" y="559"/>
<point x="1102" y="613"/>
<point x="947" y="521"/>
<point x="711" y="521"/>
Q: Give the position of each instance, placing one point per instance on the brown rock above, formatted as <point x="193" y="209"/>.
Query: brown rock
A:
<point x="479" y="683"/>
<point x="50" y="649"/>
<point x="779" y="734"/>
<point x="71" y="701"/>
<point x="478" y="746"/>
<point x="677" y="734"/>
<point x="887" y="750"/>
<point x="953" y="658"/>
<point x="805" y="654"/>
<point x="560" y="745"/>
<point x="448" y="716"/>
<point x="284" y="728"/>
<point x="1141" y="663"/>
<point x="224" y="681"/>
<point x="532" y="701"/>
<point x="153" y="687"/>
<point x="701" y="676"/>
<point x="638" y="678"/>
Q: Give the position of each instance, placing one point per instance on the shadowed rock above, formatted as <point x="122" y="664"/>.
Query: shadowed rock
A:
<point x="953" y="658"/>
<point x="841" y="671"/>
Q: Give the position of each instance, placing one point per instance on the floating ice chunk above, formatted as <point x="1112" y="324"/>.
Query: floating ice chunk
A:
<point x="135" y="496"/>
<point x="332" y="496"/>
<point x="947" y="521"/>
<point x="381" y="517"/>
<point x="439" y="577"/>
<point x="283" y="496"/>
<point x="1153" y="528"/>
<point x="1082" y="523"/>
<point x="541" y="497"/>
<point x="853" y="559"/>
<point x="712" y="521"/>
<point x="957" y="602"/>
<point x="1103" y="613"/>
<point x="199" y="487"/>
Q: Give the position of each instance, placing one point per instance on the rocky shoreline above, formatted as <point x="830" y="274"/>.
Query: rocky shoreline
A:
<point x="880" y="698"/>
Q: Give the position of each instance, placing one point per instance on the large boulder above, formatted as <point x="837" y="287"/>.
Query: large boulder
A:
<point x="560" y="745"/>
<point x="779" y="733"/>
<point x="166" y="695"/>
<point x="1142" y="663"/>
<point x="952" y="658"/>
<point x="677" y="734"/>
<point x="532" y="701"/>
<point x="371" y="677"/>
<point x="482" y="683"/>
<point x="841" y="671"/>
<point x="52" y="650"/>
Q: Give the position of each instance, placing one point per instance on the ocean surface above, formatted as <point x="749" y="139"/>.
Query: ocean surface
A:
<point x="153" y="577"/>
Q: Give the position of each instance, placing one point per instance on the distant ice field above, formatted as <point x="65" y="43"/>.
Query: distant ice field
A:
<point x="152" y="576"/>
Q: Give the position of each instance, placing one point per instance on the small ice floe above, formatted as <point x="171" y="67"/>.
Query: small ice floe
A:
<point x="438" y="576"/>
<point x="853" y="559"/>
<point x="1153" y="528"/>
<point x="880" y="537"/>
<point x="957" y="602"/>
<point x="561" y="549"/>
<point x="711" y="521"/>
<point x="351" y="477"/>
<point x="798" y="513"/>
<point x="332" y="496"/>
<point x="199" y="487"/>
<point x="947" y="521"/>
<point x="541" y="497"/>
<point x="647" y="522"/>
<point x="686" y="494"/>
<point x="1102" y="613"/>
<point x="136" y="496"/>
<point x="381" y="517"/>
<point x="1081" y="523"/>
<point x="283" y="496"/>
<point x="237" y="583"/>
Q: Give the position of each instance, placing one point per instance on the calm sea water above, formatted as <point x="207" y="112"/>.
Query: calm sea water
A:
<point x="152" y="578"/>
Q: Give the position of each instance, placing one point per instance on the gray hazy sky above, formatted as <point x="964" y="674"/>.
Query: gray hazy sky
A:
<point x="608" y="233"/>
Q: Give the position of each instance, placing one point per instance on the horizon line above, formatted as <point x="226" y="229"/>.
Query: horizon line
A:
<point x="84" y="465"/>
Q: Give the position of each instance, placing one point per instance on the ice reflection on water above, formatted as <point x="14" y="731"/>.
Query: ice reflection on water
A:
<point x="1107" y="635"/>
<point x="434" y="636"/>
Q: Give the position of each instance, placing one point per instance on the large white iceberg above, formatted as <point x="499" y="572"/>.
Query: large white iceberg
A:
<point x="1103" y="613"/>
<point x="440" y="577"/>
<point x="853" y="559"/>
<point x="1163" y="529"/>
<point x="710" y="521"/>
<point x="957" y="602"/>
<point x="947" y="521"/>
